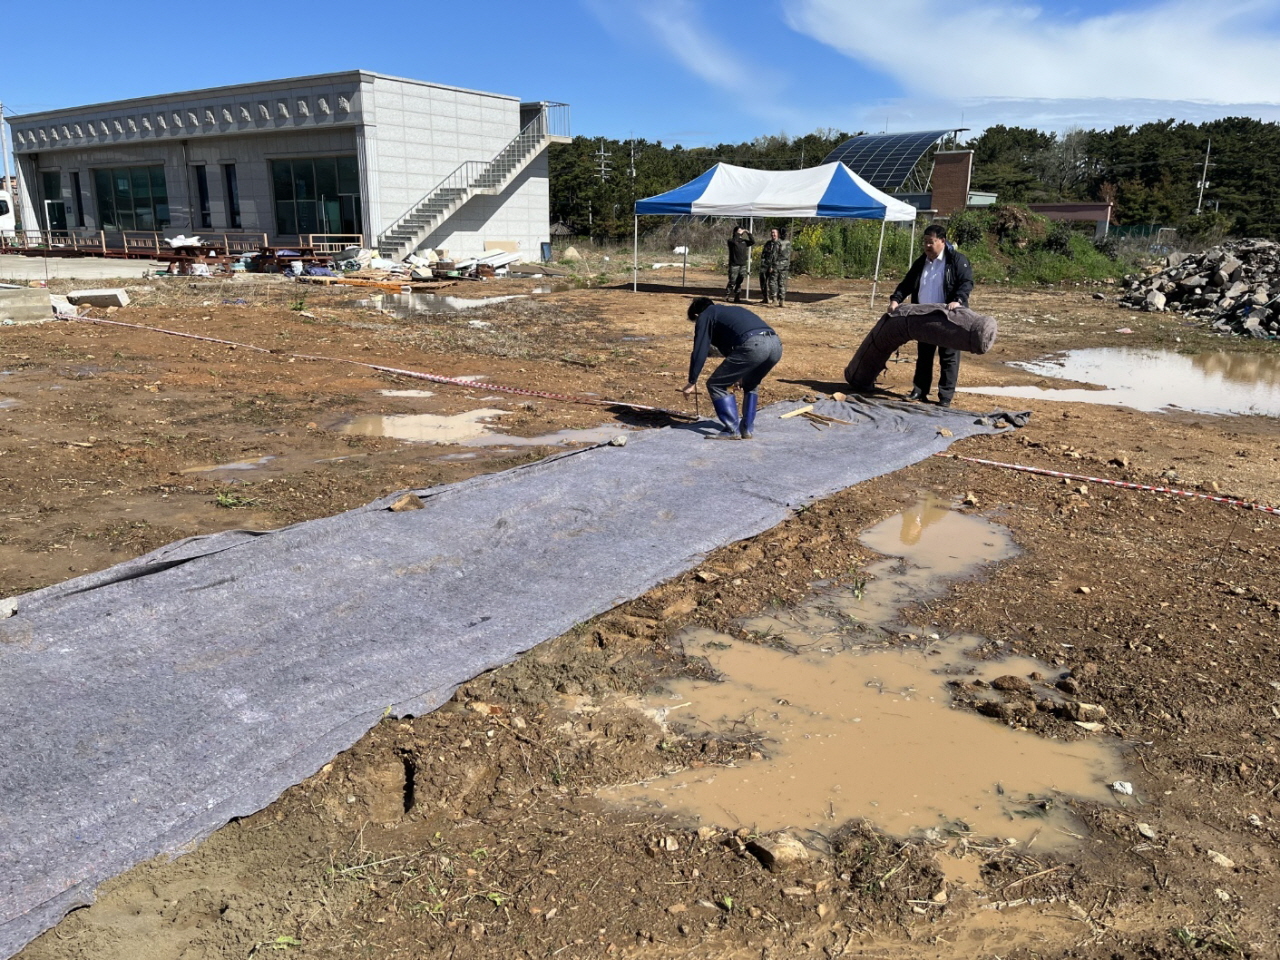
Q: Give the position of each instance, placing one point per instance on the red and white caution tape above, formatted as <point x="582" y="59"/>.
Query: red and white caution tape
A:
<point x="1230" y="501"/>
<point x="415" y="374"/>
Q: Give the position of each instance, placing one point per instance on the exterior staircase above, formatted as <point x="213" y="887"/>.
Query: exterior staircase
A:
<point x="474" y="178"/>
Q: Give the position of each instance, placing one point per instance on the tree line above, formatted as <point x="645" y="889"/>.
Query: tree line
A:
<point x="1152" y="172"/>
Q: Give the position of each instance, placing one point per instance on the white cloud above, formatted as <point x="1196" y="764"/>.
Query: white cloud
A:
<point x="676" y="25"/>
<point x="1177" y="50"/>
<point x="683" y="33"/>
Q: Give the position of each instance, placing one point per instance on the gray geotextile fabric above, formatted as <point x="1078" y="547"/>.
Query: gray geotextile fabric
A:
<point x="144" y="706"/>
<point x="958" y="329"/>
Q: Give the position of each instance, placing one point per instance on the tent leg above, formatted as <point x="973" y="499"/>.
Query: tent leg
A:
<point x="751" y="229"/>
<point x="879" y="250"/>
<point x="684" y="270"/>
<point x="635" y="256"/>
<point x="911" y="253"/>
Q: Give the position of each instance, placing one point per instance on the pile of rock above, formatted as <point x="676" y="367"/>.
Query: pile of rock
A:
<point x="1234" y="286"/>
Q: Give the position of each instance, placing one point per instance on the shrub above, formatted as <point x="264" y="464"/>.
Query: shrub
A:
<point x="1108" y="246"/>
<point x="1205" y="228"/>
<point x="969" y="227"/>
<point x="1058" y="239"/>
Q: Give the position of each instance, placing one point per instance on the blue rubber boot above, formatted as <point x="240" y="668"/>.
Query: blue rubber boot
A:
<point x="749" y="404"/>
<point x="727" y="411"/>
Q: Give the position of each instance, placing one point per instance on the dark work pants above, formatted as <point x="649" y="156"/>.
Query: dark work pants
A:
<point x="948" y="370"/>
<point x="748" y="364"/>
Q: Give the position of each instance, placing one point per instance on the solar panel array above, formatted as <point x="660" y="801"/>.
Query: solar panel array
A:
<point x="885" y="160"/>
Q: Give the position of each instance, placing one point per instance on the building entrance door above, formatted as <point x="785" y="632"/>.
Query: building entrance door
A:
<point x="55" y="217"/>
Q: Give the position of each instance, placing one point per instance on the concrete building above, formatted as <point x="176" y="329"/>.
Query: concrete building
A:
<point x="405" y="164"/>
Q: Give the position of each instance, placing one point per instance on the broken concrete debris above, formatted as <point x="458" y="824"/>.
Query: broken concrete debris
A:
<point x="99" y="298"/>
<point x="24" y="304"/>
<point x="1235" y="287"/>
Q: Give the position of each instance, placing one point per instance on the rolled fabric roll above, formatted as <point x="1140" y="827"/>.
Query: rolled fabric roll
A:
<point x="958" y="329"/>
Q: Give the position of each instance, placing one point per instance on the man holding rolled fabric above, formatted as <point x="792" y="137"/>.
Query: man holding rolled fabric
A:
<point x="941" y="275"/>
<point x="751" y="349"/>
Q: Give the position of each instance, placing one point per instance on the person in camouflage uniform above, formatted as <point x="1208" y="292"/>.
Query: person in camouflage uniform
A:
<point x="775" y="266"/>
<point x="740" y="244"/>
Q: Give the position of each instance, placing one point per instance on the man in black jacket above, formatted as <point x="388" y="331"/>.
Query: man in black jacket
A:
<point x="750" y="348"/>
<point x="740" y="243"/>
<point x="942" y="275"/>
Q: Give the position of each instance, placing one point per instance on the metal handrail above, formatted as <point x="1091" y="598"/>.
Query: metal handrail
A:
<point x="479" y="174"/>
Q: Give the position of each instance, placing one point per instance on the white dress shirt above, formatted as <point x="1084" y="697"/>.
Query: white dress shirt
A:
<point x="932" y="288"/>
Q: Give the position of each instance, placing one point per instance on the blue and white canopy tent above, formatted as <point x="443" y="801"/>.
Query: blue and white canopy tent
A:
<point x="829" y="190"/>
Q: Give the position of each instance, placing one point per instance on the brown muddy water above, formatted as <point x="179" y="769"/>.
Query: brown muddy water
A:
<point x="1157" y="380"/>
<point x="853" y="718"/>
<point x="470" y="429"/>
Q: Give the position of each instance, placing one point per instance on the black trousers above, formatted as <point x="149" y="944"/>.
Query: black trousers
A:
<point x="948" y="370"/>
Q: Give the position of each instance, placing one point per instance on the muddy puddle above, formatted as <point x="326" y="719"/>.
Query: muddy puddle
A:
<point x="851" y="712"/>
<point x="471" y="429"/>
<point x="1158" y="380"/>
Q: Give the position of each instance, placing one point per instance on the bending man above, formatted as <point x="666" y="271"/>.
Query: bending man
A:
<point x="751" y="349"/>
<point x="941" y="275"/>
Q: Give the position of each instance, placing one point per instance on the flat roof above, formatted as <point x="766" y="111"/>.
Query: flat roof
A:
<point x="206" y="92"/>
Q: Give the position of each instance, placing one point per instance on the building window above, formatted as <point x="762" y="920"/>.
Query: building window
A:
<point x="317" y="195"/>
<point x="202" y="194"/>
<point x="233" y="195"/>
<point x="79" y="197"/>
<point x="132" y="198"/>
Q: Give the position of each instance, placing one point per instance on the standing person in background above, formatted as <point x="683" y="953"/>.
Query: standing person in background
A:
<point x="751" y="349"/>
<point x="781" y="269"/>
<point x="941" y="275"/>
<point x="768" y="258"/>
<point x="740" y="244"/>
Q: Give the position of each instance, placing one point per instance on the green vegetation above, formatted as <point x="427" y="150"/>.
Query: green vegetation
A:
<point x="1151" y="174"/>
<point x="1004" y="243"/>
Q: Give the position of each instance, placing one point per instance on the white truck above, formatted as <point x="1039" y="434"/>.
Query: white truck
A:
<point x="8" y="223"/>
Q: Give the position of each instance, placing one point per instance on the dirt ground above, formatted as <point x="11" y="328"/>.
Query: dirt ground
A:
<point x="475" y="831"/>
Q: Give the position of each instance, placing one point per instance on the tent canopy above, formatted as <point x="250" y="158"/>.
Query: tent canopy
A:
<point x="829" y="190"/>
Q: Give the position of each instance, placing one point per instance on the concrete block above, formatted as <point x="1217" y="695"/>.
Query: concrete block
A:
<point x="25" y="304"/>
<point x="99" y="298"/>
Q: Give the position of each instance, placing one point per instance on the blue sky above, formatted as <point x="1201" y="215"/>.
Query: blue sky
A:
<point x="696" y="72"/>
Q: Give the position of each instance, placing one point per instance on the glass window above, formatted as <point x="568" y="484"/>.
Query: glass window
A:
<point x="327" y="177"/>
<point x="233" y="195"/>
<point x="304" y="179"/>
<point x="51" y="181"/>
<point x="286" y="222"/>
<point x="202" y="192"/>
<point x="316" y="195"/>
<point x="348" y="175"/>
<point x="132" y="198"/>
<point x="79" y="197"/>
<point x="141" y="184"/>
<point x="282" y="179"/>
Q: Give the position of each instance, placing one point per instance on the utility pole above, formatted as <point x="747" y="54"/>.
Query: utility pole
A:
<point x="604" y="161"/>
<point x="1204" y="176"/>
<point x="4" y="148"/>
<point x="633" y="159"/>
